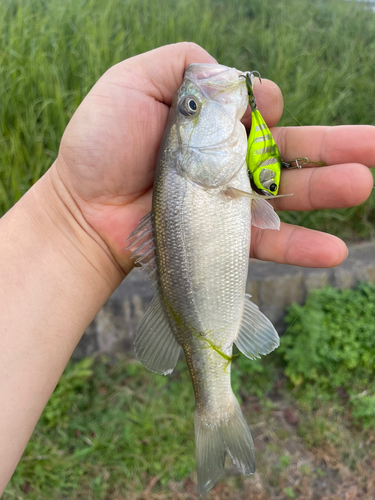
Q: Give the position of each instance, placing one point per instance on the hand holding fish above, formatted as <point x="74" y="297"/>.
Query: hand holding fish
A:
<point x="120" y="125"/>
<point x="63" y="244"/>
<point x="194" y="245"/>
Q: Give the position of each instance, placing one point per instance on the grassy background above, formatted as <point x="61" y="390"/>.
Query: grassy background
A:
<point x="113" y="431"/>
<point x="320" y="52"/>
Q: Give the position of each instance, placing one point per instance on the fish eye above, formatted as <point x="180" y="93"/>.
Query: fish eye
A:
<point x="188" y="106"/>
<point x="192" y="105"/>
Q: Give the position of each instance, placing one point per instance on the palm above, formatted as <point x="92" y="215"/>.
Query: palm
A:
<point x="108" y="154"/>
<point x="111" y="162"/>
<point x="109" y="151"/>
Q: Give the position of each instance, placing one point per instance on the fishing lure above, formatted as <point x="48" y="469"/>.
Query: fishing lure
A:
<point x="263" y="158"/>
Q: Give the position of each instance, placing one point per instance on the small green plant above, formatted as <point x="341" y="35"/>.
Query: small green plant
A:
<point x="284" y="461"/>
<point x="329" y="349"/>
<point x="289" y="492"/>
<point x="364" y="408"/>
<point x="305" y="470"/>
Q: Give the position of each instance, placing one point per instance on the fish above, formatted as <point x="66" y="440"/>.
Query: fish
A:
<point x="194" y="246"/>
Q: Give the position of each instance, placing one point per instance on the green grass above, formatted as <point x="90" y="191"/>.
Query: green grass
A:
<point x="110" y="431"/>
<point x="329" y="350"/>
<point x="113" y="431"/>
<point x="320" y="52"/>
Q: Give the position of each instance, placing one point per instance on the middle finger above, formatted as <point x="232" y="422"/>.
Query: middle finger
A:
<point x="337" y="186"/>
<point x="330" y="145"/>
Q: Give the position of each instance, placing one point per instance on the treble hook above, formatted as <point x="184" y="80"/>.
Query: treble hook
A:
<point x="249" y="79"/>
<point x="258" y="74"/>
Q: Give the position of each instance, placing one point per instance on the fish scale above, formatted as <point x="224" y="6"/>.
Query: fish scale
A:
<point x="190" y="244"/>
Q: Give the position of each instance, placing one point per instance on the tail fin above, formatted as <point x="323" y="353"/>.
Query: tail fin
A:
<point x="213" y="438"/>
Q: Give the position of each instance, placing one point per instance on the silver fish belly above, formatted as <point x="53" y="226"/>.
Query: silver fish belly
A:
<point x="195" y="247"/>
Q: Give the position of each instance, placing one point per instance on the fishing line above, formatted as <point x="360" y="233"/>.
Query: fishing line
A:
<point x="292" y="115"/>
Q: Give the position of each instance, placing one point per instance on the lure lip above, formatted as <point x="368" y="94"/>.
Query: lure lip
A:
<point x="267" y="193"/>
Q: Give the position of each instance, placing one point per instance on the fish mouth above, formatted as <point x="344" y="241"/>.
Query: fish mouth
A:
<point x="207" y="71"/>
<point x="213" y="78"/>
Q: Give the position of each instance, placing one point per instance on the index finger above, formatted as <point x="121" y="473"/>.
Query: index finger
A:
<point x="328" y="145"/>
<point x="269" y="101"/>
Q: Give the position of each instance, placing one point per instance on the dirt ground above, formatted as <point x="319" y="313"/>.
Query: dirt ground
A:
<point x="304" y="457"/>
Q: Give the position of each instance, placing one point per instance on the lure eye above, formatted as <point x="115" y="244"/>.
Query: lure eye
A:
<point x="273" y="187"/>
<point x="188" y="106"/>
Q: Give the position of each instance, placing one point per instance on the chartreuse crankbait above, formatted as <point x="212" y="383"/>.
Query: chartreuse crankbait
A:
<point x="263" y="158"/>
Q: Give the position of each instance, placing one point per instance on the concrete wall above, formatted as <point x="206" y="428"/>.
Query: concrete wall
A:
<point x="272" y="286"/>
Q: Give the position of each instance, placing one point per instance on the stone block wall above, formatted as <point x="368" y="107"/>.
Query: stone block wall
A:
<point x="273" y="287"/>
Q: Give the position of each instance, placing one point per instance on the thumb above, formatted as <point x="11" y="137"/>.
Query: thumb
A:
<point x="159" y="73"/>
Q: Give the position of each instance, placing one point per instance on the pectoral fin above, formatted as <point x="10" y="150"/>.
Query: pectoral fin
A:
<point x="155" y="345"/>
<point x="263" y="215"/>
<point x="257" y="336"/>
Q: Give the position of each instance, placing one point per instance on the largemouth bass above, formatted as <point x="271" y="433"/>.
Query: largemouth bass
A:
<point x="195" y="245"/>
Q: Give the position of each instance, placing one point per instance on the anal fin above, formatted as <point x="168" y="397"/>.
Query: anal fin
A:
<point x="155" y="345"/>
<point x="257" y="336"/>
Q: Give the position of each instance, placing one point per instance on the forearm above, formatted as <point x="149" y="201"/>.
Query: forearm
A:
<point x="55" y="274"/>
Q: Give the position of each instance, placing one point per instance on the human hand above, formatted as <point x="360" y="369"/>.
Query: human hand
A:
<point x="348" y="152"/>
<point x="109" y="152"/>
